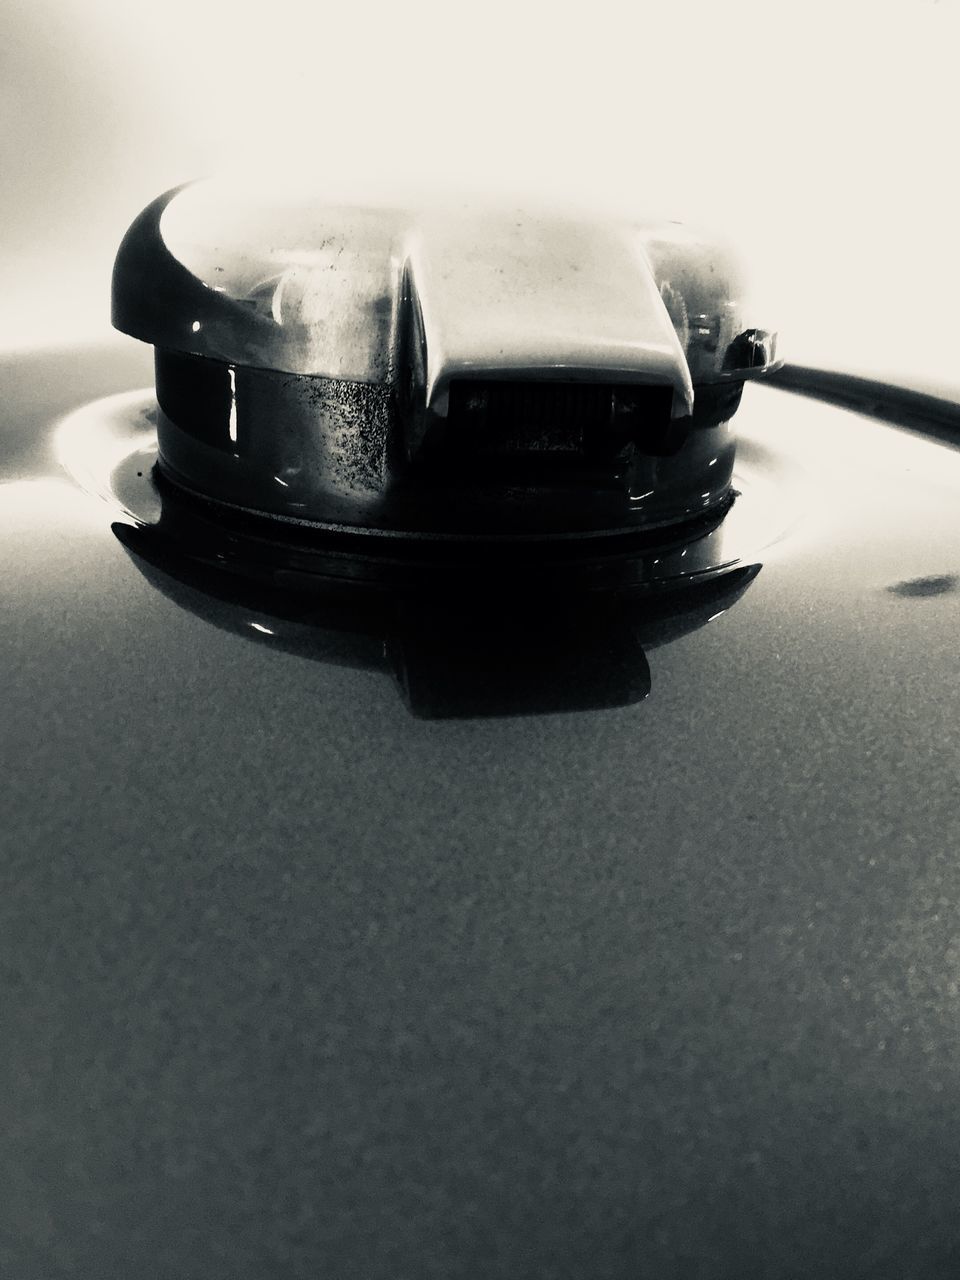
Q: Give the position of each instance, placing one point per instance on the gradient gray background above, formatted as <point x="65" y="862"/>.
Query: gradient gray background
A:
<point x="821" y="135"/>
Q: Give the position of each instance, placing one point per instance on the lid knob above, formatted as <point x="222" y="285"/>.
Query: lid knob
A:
<point x="439" y="372"/>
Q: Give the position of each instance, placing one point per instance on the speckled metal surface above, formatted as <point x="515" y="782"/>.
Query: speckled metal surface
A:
<point x="297" y="984"/>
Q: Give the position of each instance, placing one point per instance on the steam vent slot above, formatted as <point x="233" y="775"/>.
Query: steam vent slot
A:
<point x="581" y="419"/>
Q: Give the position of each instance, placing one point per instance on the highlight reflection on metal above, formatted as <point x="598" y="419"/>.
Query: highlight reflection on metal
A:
<point x="439" y="372"/>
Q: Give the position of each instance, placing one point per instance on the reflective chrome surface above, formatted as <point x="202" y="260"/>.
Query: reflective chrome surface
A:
<point x="297" y="983"/>
<point x="317" y="285"/>
<point x="109" y="447"/>
<point x="439" y="371"/>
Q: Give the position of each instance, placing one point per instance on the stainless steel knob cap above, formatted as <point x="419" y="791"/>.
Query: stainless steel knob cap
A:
<point x="441" y="372"/>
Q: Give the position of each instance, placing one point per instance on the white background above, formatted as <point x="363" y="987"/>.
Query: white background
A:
<point x="824" y="137"/>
